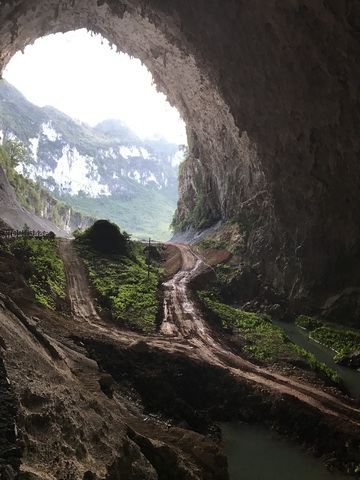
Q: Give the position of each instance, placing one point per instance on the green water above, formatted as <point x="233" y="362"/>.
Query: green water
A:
<point x="300" y="337"/>
<point x="254" y="453"/>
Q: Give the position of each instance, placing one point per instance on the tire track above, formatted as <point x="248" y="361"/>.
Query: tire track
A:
<point x="183" y="320"/>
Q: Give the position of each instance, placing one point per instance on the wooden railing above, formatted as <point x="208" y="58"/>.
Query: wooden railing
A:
<point x="10" y="233"/>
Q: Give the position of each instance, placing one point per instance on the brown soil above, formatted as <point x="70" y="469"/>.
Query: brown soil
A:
<point x="158" y="395"/>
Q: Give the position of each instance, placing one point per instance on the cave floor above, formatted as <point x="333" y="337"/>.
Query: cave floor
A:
<point x="162" y="393"/>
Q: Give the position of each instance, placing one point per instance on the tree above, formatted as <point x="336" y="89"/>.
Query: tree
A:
<point x="16" y="151"/>
<point x="106" y="237"/>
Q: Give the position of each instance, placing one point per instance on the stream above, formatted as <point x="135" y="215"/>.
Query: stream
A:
<point x="299" y="336"/>
<point x="255" y="453"/>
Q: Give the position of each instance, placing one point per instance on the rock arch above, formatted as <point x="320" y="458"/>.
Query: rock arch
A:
<point x="270" y="94"/>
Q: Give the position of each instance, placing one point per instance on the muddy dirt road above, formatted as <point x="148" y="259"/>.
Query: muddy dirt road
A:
<point x="184" y="331"/>
<point x="184" y="322"/>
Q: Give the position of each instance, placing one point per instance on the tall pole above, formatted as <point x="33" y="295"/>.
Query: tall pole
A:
<point x="149" y="259"/>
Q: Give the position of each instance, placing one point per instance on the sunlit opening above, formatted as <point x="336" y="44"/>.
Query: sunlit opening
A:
<point x="133" y="183"/>
<point x="80" y="74"/>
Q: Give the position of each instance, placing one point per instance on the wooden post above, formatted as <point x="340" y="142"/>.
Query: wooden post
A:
<point x="149" y="259"/>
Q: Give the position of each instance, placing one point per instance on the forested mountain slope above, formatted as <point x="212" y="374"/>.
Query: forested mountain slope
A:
<point x="106" y="170"/>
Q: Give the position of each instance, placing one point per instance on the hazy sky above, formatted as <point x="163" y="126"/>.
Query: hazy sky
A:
<point x="80" y="75"/>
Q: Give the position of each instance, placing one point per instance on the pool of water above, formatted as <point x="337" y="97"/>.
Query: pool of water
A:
<point x="254" y="453"/>
<point x="300" y="337"/>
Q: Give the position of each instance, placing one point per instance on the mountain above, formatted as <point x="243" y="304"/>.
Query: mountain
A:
<point x="13" y="215"/>
<point x="23" y="201"/>
<point x="104" y="170"/>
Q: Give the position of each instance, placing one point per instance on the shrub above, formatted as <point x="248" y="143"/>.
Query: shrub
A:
<point x="309" y="323"/>
<point x="125" y="285"/>
<point x="107" y="238"/>
<point x="341" y="340"/>
<point x="43" y="267"/>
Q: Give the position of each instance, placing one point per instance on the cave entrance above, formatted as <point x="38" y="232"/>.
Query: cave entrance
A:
<point x="160" y="36"/>
<point x="127" y="169"/>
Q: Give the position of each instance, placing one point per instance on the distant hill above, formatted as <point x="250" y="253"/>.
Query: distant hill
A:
<point x="105" y="171"/>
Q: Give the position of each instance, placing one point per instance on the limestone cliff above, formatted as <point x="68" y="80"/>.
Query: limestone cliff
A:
<point x="79" y="164"/>
<point x="60" y="219"/>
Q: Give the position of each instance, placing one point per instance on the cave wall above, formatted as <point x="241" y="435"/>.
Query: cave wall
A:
<point x="270" y="94"/>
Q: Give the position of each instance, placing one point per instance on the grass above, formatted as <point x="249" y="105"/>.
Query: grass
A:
<point x="308" y="323"/>
<point x="123" y="286"/>
<point x="211" y="243"/>
<point x="262" y="339"/>
<point x="43" y="268"/>
<point x="343" y="341"/>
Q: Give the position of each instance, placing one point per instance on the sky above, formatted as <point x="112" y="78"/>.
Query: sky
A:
<point x="79" y="74"/>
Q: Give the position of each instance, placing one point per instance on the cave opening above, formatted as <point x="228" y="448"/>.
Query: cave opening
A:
<point x="269" y="93"/>
<point x="125" y="166"/>
<point x="178" y="71"/>
<point x="269" y="97"/>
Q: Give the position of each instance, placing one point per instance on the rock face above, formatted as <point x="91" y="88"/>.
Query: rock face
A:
<point x="71" y="157"/>
<point x="79" y="164"/>
<point x="270" y="95"/>
<point x="15" y="216"/>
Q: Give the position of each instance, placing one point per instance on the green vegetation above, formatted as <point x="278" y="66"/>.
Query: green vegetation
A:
<point x="245" y="220"/>
<point x="318" y="367"/>
<point x="125" y="286"/>
<point x="14" y="110"/>
<point x="34" y="197"/>
<point x="107" y="238"/>
<point x="82" y="136"/>
<point x="145" y="213"/>
<point x="260" y="337"/>
<point x="223" y="270"/>
<point x="340" y="339"/>
<point x="211" y="243"/>
<point x="42" y="266"/>
<point x="16" y="151"/>
<point x="309" y="323"/>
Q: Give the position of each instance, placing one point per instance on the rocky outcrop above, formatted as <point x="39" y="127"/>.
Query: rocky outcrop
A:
<point x="67" y="426"/>
<point x="10" y="447"/>
<point x="15" y="216"/>
<point x="352" y="360"/>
